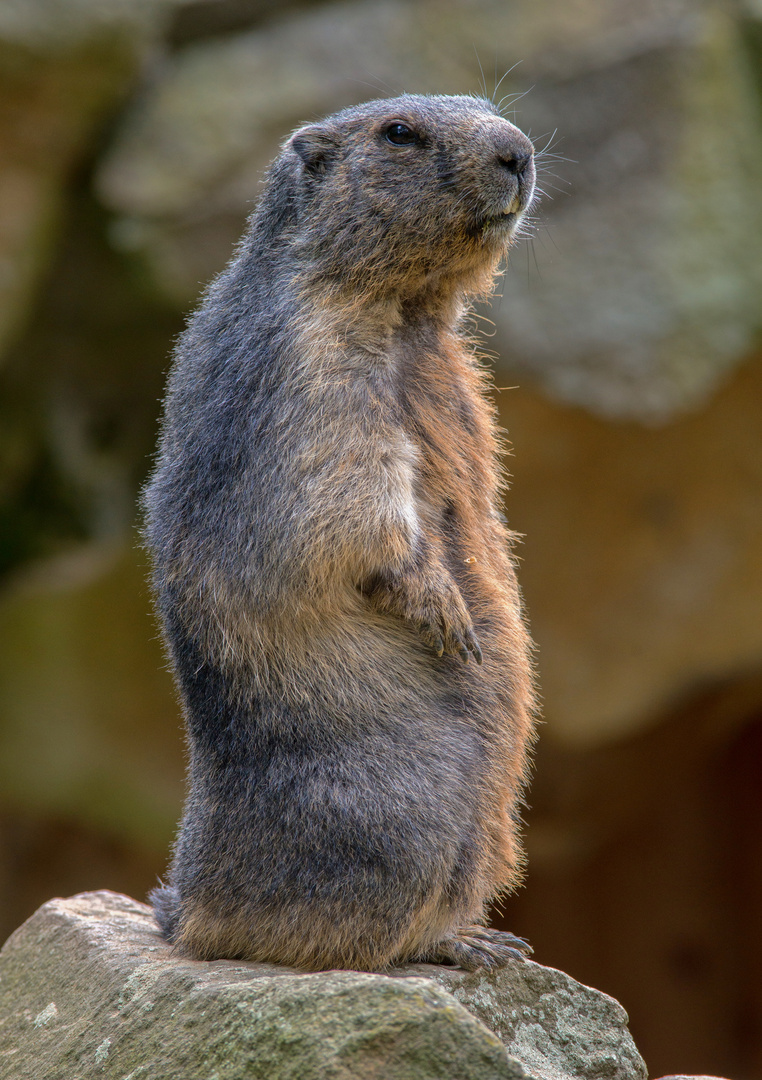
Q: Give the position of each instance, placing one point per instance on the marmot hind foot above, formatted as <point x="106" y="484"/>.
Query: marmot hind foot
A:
<point x="475" y="947"/>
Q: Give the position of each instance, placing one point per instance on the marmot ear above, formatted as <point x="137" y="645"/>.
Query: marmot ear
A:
<point x="317" y="146"/>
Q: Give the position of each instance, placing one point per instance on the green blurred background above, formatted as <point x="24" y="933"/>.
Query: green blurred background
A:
<point x="626" y="340"/>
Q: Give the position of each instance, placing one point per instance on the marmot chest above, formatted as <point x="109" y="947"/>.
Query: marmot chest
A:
<point x="446" y="417"/>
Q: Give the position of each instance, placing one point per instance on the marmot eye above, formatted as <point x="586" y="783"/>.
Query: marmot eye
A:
<point x="400" y="134"/>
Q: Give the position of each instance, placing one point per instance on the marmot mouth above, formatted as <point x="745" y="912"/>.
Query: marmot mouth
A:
<point x="496" y="224"/>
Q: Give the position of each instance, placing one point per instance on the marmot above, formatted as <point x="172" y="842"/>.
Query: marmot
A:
<point x="330" y="564"/>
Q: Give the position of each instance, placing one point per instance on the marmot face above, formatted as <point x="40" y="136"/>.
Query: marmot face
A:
<point x="415" y="188"/>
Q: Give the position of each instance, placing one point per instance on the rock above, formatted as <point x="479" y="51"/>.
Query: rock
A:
<point x="646" y="290"/>
<point x="56" y="27"/>
<point x="555" y="1026"/>
<point x="94" y="690"/>
<point x="89" y="989"/>
<point x="63" y="65"/>
<point x="642" y="566"/>
<point x="648" y="276"/>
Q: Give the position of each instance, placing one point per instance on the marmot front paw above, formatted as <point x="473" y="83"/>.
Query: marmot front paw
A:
<point x="433" y="604"/>
<point x="443" y="621"/>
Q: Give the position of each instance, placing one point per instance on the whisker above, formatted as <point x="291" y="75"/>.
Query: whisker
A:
<point x="505" y="76"/>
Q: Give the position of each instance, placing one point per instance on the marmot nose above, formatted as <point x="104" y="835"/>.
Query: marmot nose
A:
<point x="515" y="161"/>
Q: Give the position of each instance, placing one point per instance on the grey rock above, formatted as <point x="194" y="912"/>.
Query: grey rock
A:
<point x="57" y="26"/>
<point x="647" y="278"/>
<point x="106" y="728"/>
<point x="89" y="989"/>
<point x="64" y="64"/>
<point x="555" y="1026"/>
<point x="648" y="273"/>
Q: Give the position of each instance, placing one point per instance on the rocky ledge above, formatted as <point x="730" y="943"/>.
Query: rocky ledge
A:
<point x="88" y="988"/>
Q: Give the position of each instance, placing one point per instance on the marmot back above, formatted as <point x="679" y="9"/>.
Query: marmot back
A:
<point x="330" y="563"/>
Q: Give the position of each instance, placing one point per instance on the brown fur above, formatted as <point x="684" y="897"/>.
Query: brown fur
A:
<point x="328" y="552"/>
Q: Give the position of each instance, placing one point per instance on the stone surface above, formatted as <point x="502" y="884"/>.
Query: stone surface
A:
<point x="642" y="566"/>
<point x="647" y="278"/>
<point x="555" y="1026"/>
<point x="97" y="701"/>
<point x="89" y="989"/>
<point x="645" y="293"/>
<point x="64" y="64"/>
<point x="56" y="26"/>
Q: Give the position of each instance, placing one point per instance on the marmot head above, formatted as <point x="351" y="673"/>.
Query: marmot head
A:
<point x="406" y="196"/>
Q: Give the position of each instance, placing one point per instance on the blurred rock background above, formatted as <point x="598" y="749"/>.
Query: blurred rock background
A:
<point x="626" y="336"/>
